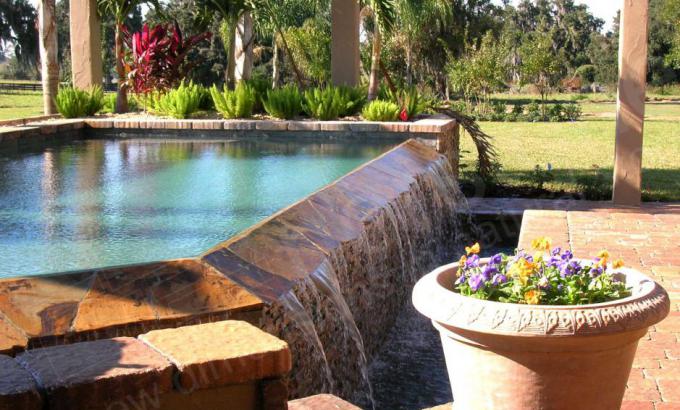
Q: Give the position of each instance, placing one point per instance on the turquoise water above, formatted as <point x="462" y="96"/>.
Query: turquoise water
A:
<point x="96" y="203"/>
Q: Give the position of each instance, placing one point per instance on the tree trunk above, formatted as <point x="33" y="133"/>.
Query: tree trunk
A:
<point x="374" y="79"/>
<point x="121" y="97"/>
<point x="49" y="66"/>
<point x="291" y="58"/>
<point x="275" y="65"/>
<point x="228" y="31"/>
<point x="244" y="47"/>
<point x="409" y="62"/>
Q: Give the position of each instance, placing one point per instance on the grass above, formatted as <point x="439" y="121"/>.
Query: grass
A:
<point x="583" y="152"/>
<point x="20" y="104"/>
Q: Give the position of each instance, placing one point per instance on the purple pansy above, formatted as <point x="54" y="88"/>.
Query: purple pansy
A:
<point x="498" y="279"/>
<point x="496" y="259"/>
<point x="489" y="271"/>
<point x="476" y="282"/>
<point x="570" y="268"/>
<point x="472" y="261"/>
<point x="461" y="280"/>
<point x="556" y="251"/>
<point x="544" y="283"/>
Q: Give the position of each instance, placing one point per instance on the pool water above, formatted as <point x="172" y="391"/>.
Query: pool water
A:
<point x="94" y="203"/>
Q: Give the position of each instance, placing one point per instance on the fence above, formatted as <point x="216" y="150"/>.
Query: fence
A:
<point x="36" y="86"/>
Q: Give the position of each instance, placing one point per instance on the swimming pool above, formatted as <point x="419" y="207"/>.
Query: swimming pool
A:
<point x="100" y="202"/>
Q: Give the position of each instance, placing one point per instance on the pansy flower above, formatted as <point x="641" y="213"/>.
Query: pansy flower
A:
<point x="476" y="282"/>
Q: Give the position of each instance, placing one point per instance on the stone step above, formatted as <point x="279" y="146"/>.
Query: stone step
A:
<point x="321" y="402"/>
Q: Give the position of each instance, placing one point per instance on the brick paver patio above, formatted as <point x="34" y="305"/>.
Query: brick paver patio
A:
<point x="648" y="239"/>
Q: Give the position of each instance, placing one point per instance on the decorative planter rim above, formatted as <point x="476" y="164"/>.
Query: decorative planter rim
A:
<point x="648" y="305"/>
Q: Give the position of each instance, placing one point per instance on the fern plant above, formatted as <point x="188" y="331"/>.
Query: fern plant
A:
<point x="72" y="102"/>
<point x="238" y="103"/>
<point x="354" y="100"/>
<point x="179" y="102"/>
<point x="284" y="103"/>
<point x="379" y="110"/>
<point x="324" y="103"/>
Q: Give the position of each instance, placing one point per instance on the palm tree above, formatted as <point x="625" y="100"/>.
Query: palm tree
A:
<point x="229" y="11"/>
<point x="49" y="66"/>
<point x="383" y="19"/>
<point x="120" y="10"/>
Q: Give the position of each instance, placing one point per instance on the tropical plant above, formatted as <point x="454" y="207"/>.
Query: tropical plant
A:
<point x="237" y="103"/>
<point x="157" y="60"/>
<point x="120" y="10"/>
<point x="284" y="103"/>
<point x="229" y="11"/>
<point x="178" y="102"/>
<point x="379" y="110"/>
<point x="72" y="102"/>
<point x="384" y="16"/>
<point x="325" y="103"/>
<point x="354" y="99"/>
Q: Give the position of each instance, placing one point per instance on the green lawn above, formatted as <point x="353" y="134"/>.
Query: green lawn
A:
<point x="15" y="104"/>
<point x="583" y="152"/>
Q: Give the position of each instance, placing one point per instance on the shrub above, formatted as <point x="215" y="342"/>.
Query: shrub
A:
<point x="73" y="103"/>
<point x="238" y="103"/>
<point x="261" y="85"/>
<point x="572" y="112"/>
<point x="180" y="102"/>
<point x="518" y="109"/>
<point x="284" y="103"/>
<point x="158" y="57"/>
<point x="205" y="99"/>
<point x="554" y="113"/>
<point x="539" y="177"/>
<point x="324" y="103"/>
<point x="354" y="100"/>
<point x="534" y="113"/>
<point x="109" y="103"/>
<point x="379" y="110"/>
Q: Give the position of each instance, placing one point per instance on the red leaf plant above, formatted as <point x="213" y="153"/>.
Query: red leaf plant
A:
<point x="157" y="57"/>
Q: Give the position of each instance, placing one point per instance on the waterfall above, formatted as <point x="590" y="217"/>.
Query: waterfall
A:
<point x="346" y="307"/>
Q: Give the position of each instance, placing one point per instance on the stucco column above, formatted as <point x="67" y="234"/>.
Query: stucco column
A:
<point x="630" y="111"/>
<point x="86" y="45"/>
<point x="345" y="42"/>
<point x="244" y="47"/>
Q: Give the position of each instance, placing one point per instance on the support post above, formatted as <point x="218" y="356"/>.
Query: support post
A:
<point x="630" y="110"/>
<point x="345" y="42"/>
<point x="86" y="47"/>
<point x="244" y="47"/>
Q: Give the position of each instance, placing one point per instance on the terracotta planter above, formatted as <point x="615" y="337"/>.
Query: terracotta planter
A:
<point x="507" y="356"/>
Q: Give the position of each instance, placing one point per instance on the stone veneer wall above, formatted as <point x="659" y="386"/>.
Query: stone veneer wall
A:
<point x="376" y="229"/>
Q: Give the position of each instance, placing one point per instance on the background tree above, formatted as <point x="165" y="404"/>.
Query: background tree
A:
<point x="541" y="66"/>
<point x="18" y="30"/>
<point x="383" y="15"/>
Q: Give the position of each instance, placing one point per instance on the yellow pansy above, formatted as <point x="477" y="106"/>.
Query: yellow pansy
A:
<point x="532" y="297"/>
<point x="618" y="264"/>
<point x="604" y="254"/>
<point x="462" y="260"/>
<point x="542" y="244"/>
<point x="522" y="270"/>
<point x="472" y="249"/>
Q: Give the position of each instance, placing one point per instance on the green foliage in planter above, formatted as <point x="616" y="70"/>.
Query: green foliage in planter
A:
<point x="109" y="103"/>
<point x="261" y="85"/>
<point x="238" y="103"/>
<point x="205" y="101"/>
<point x="179" y="102"/>
<point x="73" y="103"/>
<point x="379" y="110"/>
<point x="325" y="103"/>
<point x="284" y="103"/>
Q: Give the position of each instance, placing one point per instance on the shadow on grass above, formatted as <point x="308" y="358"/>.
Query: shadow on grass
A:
<point x="590" y="184"/>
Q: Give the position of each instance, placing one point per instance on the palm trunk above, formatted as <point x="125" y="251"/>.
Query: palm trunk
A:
<point x="231" y="53"/>
<point x="275" y="65"/>
<point x="121" y="97"/>
<point x="409" y="62"/>
<point x="49" y="65"/>
<point x="296" y="70"/>
<point x="374" y="79"/>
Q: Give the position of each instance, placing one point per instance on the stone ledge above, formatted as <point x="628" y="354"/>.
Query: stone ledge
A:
<point x="221" y="353"/>
<point x="321" y="402"/>
<point x="17" y="388"/>
<point x="93" y="374"/>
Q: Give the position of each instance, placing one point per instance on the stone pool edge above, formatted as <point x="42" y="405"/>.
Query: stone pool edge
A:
<point x="130" y="300"/>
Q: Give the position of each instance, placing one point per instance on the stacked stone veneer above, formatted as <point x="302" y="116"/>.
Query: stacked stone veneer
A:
<point x="202" y="366"/>
<point x="373" y="232"/>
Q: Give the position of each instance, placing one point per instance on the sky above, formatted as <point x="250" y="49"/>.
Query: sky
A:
<point x="604" y="9"/>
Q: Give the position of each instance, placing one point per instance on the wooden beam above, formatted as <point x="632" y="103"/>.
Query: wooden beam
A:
<point x="345" y="42"/>
<point x="630" y="110"/>
<point x="86" y="45"/>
